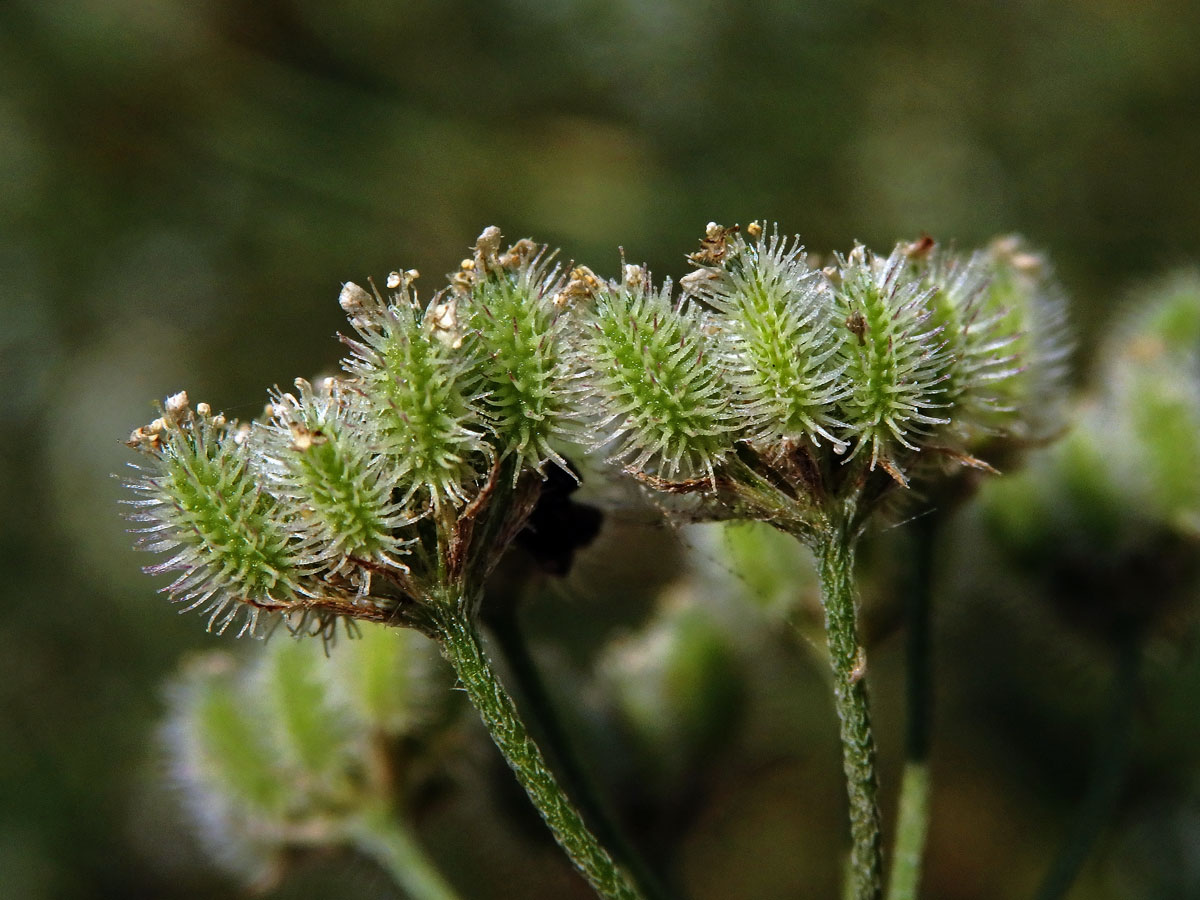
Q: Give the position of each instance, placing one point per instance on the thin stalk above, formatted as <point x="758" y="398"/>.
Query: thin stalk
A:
<point x="393" y="845"/>
<point x="912" y="816"/>
<point x="1105" y="781"/>
<point x="461" y="646"/>
<point x="912" y="824"/>
<point x="506" y="629"/>
<point x="835" y="557"/>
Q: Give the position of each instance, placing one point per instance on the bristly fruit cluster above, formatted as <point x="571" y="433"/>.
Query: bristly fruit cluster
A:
<point x="358" y="495"/>
<point x="886" y="360"/>
<point x="764" y="370"/>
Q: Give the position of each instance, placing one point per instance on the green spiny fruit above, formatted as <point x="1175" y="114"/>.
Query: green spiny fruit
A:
<point x="660" y="394"/>
<point x="310" y="735"/>
<point x="979" y="339"/>
<point x="388" y="680"/>
<point x="333" y="482"/>
<point x="272" y="754"/>
<point x="415" y="376"/>
<point x="1030" y="305"/>
<point x="895" y="358"/>
<point x="225" y="764"/>
<point x="1153" y="379"/>
<point x="511" y="307"/>
<point x="780" y="344"/>
<point x="202" y="500"/>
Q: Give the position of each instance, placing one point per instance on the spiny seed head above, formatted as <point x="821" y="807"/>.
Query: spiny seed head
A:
<point x="416" y="380"/>
<point x="779" y="342"/>
<point x="895" y="357"/>
<point x="389" y="681"/>
<point x="884" y="357"/>
<point x="660" y="393"/>
<point x="1160" y="414"/>
<point x="980" y="341"/>
<point x="201" y="500"/>
<point x="1029" y="305"/>
<point x="508" y="306"/>
<point x="331" y="479"/>
<point x="1164" y="322"/>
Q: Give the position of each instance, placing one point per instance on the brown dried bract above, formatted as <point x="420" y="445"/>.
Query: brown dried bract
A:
<point x="582" y="285"/>
<point x="857" y="323"/>
<point x="921" y="247"/>
<point x="687" y="486"/>
<point x="303" y="439"/>
<point x="888" y="465"/>
<point x="714" y="245"/>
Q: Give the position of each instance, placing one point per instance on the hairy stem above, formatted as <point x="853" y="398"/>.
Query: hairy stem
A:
<point x="1107" y="777"/>
<point x="506" y="630"/>
<point x="835" y="557"/>
<point x="392" y="844"/>
<point x="912" y="816"/>
<point x="461" y="645"/>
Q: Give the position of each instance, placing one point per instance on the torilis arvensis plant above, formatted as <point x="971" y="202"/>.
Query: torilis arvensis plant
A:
<point x="764" y="386"/>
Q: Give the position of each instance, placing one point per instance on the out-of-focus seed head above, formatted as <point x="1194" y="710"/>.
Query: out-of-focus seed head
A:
<point x="1027" y="304"/>
<point x="1152" y="376"/>
<point x="979" y="355"/>
<point x="283" y="752"/>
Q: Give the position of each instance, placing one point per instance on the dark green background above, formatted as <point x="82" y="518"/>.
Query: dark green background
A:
<point x="185" y="185"/>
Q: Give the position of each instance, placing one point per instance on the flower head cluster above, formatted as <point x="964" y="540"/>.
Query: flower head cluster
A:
<point x="359" y="494"/>
<point x="882" y="362"/>
<point x="362" y="494"/>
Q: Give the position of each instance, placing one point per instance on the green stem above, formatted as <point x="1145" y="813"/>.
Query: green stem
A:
<point x="912" y="816"/>
<point x="1107" y="777"/>
<point x="912" y="824"/>
<point x="506" y="629"/>
<point x="461" y="645"/>
<point x="835" y="558"/>
<point x="392" y="844"/>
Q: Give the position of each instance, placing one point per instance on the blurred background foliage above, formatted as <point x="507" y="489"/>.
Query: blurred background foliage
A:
<point x="183" y="188"/>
